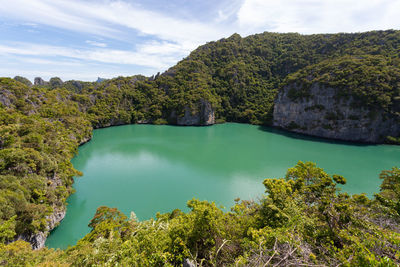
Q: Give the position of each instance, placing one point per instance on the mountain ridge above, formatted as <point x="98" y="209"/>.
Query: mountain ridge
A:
<point x="255" y="79"/>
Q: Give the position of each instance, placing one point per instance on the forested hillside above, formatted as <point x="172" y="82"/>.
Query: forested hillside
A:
<point x="244" y="75"/>
<point x="354" y="98"/>
<point x="257" y="79"/>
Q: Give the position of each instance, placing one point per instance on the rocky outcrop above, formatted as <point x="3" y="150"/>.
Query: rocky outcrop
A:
<point x="85" y="139"/>
<point x="5" y="98"/>
<point x="39" y="81"/>
<point x="77" y="85"/>
<point x="55" y="218"/>
<point x="144" y="121"/>
<point x="38" y="240"/>
<point x="23" y="80"/>
<point x="188" y="263"/>
<point x="323" y="113"/>
<point x="56" y="82"/>
<point x="110" y="122"/>
<point x="205" y="115"/>
<point x="99" y="80"/>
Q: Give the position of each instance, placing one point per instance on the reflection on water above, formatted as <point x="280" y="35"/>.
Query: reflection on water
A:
<point x="149" y="169"/>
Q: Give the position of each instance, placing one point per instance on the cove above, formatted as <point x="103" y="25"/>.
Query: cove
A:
<point x="149" y="169"/>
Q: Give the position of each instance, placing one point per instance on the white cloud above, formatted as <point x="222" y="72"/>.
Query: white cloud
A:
<point x="146" y="56"/>
<point x="158" y="40"/>
<point x="153" y="23"/>
<point x="111" y="18"/>
<point x="317" y="16"/>
<point x="29" y="24"/>
<point x="161" y="48"/>
<point x="95" y="43"/>
<point x="40" y="61"/>
<point x="105" y="18"/>
<point x="169" y="39"/>
<point x="54" y="13"/>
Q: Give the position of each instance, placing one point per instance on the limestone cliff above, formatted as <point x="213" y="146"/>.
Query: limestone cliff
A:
<point x="322" y="113"/>
<point x="38" y="240"/>
<point x="203" y="115"/>
<point x="39" y="81"/>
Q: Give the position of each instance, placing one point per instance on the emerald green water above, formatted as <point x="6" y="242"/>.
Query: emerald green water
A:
<point x="149" y="169"/>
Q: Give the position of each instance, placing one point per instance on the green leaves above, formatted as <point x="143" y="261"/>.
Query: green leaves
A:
<point x="369" y="79"/>
<point x="7" y="230"/>
<point x="301" y="220"/>
<point x="390" y="189"/>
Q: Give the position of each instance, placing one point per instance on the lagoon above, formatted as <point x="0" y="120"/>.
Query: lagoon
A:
<point x="149" y="168"/>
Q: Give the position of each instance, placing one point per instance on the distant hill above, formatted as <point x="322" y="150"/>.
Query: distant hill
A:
<point x="341" y="86"/>
<point x="241" y="77"/>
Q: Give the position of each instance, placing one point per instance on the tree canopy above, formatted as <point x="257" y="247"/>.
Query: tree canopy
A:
<point x="303" y="219"/>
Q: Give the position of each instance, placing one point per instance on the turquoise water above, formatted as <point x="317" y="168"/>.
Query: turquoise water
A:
<point x="149" y="169"/>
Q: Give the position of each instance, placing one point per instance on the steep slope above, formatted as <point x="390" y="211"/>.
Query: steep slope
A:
<point x="241" y="77"/>
<point x="354" y="98"/>
<point x="342" y="86"/>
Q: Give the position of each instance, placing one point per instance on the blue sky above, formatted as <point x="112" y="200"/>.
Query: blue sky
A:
<point x="86" y="39"/>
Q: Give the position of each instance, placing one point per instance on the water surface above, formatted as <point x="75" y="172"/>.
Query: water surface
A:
<point x="149" y="168"/>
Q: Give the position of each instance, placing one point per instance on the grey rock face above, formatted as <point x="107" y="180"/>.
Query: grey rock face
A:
<point x="188" y="263"/>
<point x="208" y="113"/>
<point x="23" y="80"/>
<point x="77" y="85"/>
<point x="4" y="98"/>
<point x="56" y="82"/>
<point x="188" y="118"/>
<point x="99" y="80"/>
<point x="85" y="139"/>
<point x="205" y="115"/>
<point x="324" y="114"/>
<point x="143" y="122"/>
<point x="39" y="81"/>
<point x="38" y="240"/>
<point x="55" y="218"/>
<point x="111" y="122"/>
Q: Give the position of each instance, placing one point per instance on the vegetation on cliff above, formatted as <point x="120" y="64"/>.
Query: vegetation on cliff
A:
<point x="41" y="127"/>
<point x="39" y="133"/>
<point x="302" y="220"/>
<point x="243" y="75"/>
<point x="370" y="81"/>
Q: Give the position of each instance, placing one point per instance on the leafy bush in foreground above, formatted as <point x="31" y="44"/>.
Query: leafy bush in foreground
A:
<point x="302" y="220"/>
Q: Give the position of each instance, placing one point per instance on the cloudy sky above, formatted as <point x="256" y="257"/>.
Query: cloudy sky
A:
<point x="86" y="39"/>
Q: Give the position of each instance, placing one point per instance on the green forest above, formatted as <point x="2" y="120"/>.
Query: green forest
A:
<point x="303" y="219"/>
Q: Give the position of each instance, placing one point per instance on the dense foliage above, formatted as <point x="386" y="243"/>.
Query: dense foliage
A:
<point x="40" y="131"/>
<point x="243" y="75"/>
<point x="371" y="81"/>
<point x="302" y="220"/>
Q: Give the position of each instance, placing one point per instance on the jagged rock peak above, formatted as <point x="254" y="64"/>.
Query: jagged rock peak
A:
<point x="99" y="80"/>
<point x="56" y="82"/>
<point x="23" y="80"/>
<point x="39" y="81"/>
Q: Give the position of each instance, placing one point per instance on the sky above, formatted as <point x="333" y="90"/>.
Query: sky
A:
<point x="86" y="39"/>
